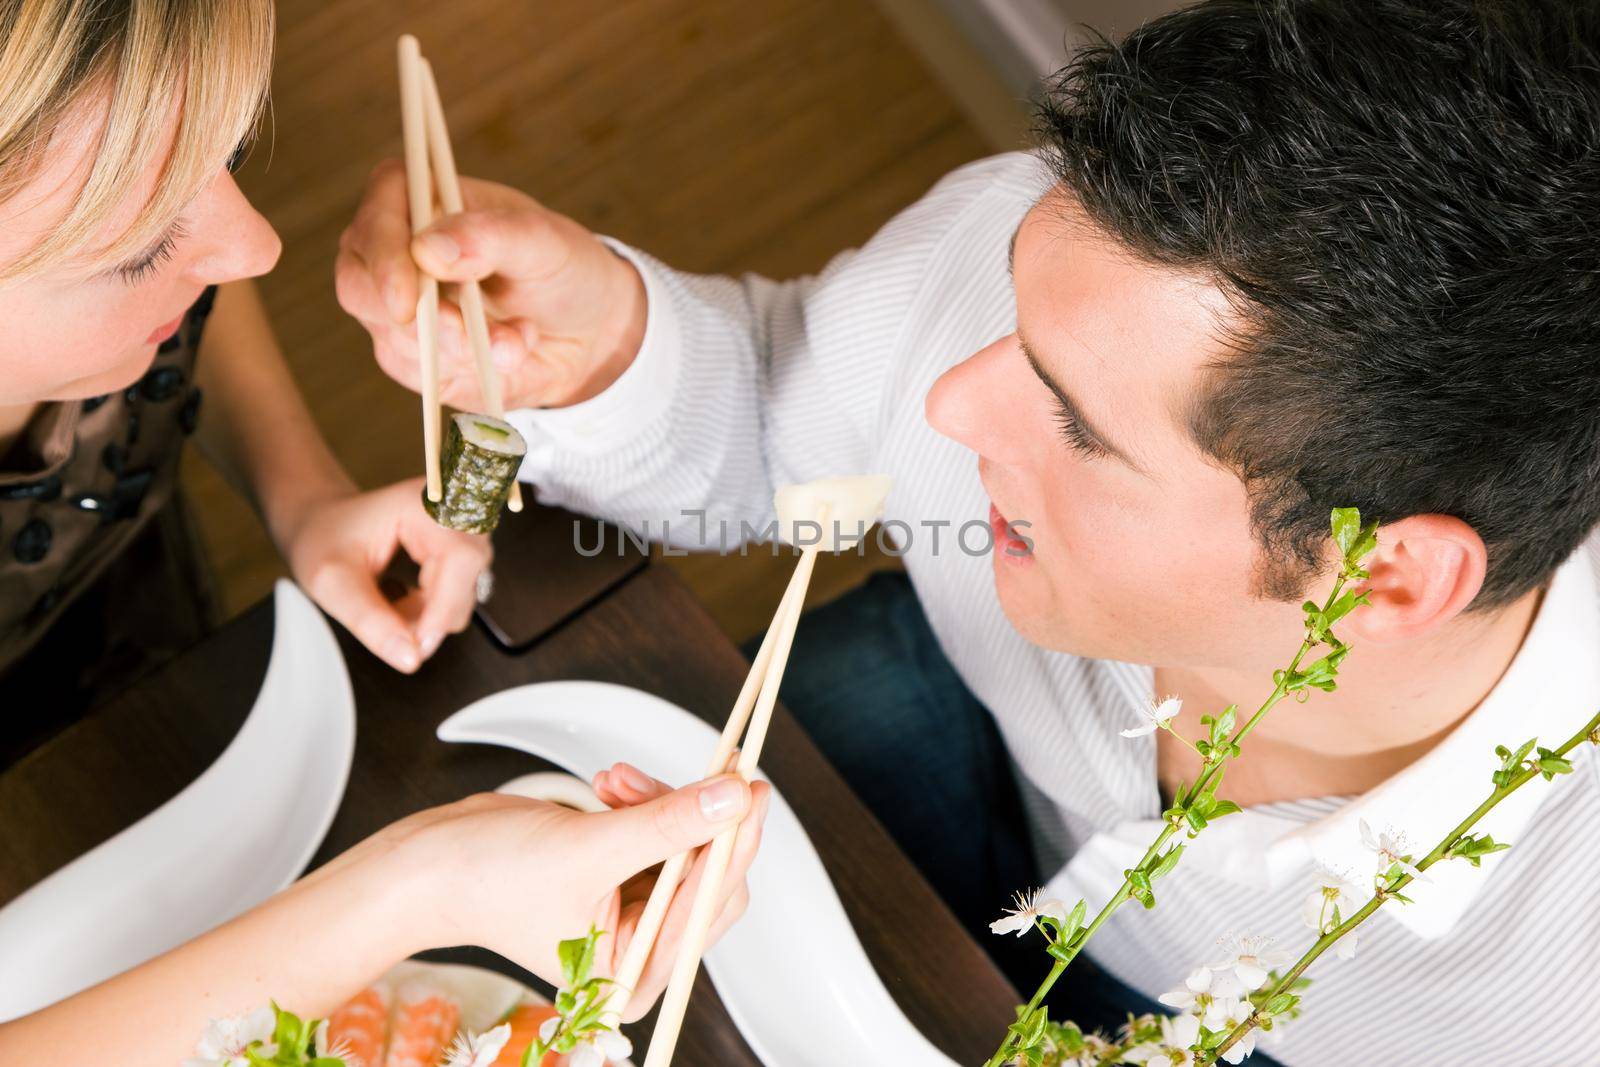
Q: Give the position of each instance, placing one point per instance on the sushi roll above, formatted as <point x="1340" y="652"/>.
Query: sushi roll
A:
<point x="479" y="463"/>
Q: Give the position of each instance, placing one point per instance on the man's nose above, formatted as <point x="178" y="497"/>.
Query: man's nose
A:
<point x="975" y="404"/>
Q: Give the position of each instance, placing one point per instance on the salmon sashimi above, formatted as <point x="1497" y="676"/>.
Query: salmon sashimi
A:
<point x="525" y="1020"/>
<point x="425" y="1024"/>
<point x="360" y="1028"/>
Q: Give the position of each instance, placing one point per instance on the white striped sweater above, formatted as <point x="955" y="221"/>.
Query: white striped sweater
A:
<point x="747" y="384"/>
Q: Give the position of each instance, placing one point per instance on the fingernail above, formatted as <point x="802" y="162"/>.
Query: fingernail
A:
<point x="430" y="643"/>
<point x="722" y="800"/>
<point x="635" y="779"/>
<point x="440" y="247"/>
<point x="402" y="653"/>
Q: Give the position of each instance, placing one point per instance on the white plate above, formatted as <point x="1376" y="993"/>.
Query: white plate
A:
<point x="793" y="975"/>
<point x="240" y="832"/>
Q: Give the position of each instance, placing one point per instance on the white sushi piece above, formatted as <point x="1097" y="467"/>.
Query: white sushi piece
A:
<point x="853" y="504"/>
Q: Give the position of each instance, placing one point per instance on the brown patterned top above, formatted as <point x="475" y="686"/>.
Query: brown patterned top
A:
<point x="101" y="469"/>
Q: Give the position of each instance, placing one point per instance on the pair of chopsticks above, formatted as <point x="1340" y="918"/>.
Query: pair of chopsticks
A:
<point x="426" y="135"/>
<point x="754" y="707"/>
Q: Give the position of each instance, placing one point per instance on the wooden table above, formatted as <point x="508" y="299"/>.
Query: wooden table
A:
<point x="140" y="749"/>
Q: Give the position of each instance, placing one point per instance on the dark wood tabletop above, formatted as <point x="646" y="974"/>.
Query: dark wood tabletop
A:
<point x="145" y="745"/>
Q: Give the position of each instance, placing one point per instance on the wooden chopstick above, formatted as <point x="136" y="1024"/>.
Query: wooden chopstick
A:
<point x="419" y="194"/>
<point x="722" y="761"/>
<point x="471" y="294"/>
<point x="669" y="1023"/>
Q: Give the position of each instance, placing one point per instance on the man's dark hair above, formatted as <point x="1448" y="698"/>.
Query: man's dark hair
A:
<point x="1402" y="198"/>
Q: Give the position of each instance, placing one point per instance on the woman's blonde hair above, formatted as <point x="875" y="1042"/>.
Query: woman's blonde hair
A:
<point x="136" y="60"/>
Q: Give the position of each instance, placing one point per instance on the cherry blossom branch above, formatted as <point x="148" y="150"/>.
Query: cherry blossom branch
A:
<point x="1516" y="770"/>
<point x="1194" y="808"/>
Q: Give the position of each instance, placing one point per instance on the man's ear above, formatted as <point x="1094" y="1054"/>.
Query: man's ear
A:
<point x="1425" y="572"/>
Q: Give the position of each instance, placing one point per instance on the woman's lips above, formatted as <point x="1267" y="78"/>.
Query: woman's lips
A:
<point x="162" y="333"/>
<point x="1008" y="547"/>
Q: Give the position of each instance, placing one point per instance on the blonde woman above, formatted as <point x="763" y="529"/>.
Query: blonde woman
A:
<point x="118" y="218"/>
<point x="125" y="249"/>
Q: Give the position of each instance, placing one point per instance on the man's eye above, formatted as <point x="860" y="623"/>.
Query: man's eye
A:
<point x="1073" y="433"/>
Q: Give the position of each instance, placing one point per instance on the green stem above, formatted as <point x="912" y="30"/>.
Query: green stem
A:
<point x="1212" y="768"/>
<point x="1590" y="733"/>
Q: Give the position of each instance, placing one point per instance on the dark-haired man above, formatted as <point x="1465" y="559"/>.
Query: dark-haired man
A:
<point x="1274" y="258"/>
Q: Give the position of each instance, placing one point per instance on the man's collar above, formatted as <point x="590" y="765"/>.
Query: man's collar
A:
<point x="1550" y="689"/>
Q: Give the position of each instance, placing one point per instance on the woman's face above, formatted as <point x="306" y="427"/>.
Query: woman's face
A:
<point x="71" y="332"/>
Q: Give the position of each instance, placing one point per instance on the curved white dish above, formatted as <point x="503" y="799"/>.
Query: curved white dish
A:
<point x="793" y="975"/>
<point x="237" y="834"/>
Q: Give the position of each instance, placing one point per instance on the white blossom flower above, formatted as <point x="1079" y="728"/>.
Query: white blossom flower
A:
<point x="1094" y="1052"/>
<point x="603" y="1047"/>
<point x="1231" y="1022"/>
<point x="479" y="1051"/>
<point x="1206" y="996"/>
<point x="1249" y="959"/>
<point x="1171" y="1048"/>
<point x="338" y="1050"/>
<point x="1158" y="716"/>
<point x="225" y="1040"/>
<point x="1390" y="849"/>
<point x="1335" y="898"/>
<point x="548" y="1028"/>
<point x="1029" y="907"/>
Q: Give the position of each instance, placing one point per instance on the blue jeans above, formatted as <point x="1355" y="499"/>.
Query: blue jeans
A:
<point x="868" y="681"/>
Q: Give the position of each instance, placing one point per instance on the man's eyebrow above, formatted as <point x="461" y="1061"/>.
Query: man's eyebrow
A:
<point x="1072" y="408"/>
<point x="1011" y="251"/>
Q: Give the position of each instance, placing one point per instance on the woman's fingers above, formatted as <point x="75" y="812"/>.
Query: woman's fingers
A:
<point x="734" y="899"/>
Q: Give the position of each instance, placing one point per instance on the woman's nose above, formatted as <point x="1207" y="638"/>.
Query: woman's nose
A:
<point x="975" y="403"/>
<point x="234" y="240"/>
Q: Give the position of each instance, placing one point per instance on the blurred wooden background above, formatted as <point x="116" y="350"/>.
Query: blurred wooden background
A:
<point x="721" y="135"/>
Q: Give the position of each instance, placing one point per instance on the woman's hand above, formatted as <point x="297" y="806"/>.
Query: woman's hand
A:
<point x="339" y="545"/>
<point x="520" y="876"/>
<point x="568" y="314"/>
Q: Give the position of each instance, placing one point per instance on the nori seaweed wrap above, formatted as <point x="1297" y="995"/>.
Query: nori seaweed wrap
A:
<point x="478" y="464"/>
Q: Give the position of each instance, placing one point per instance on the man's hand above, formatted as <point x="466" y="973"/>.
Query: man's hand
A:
<point x="567" y="314"/>
<point x="340" y="546"/>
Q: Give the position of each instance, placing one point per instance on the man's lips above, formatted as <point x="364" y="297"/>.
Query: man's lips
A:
<point x="1007" y="545"/>
<point x="161" y="333"/>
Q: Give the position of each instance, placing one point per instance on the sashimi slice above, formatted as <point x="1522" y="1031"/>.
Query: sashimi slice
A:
<point x="360" y="1028"/>
<point x="425" y="1024"/>
<point x="525" y="1020"/>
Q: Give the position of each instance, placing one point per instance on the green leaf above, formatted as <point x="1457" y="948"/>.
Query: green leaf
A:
<point x="1281" y="1003"/>
<point x="1364" y="543"/>
<point x="1223" y="726"/>
<point x="1346" y="525"/>
<point x="1168" y="861"/>
<point x="1223" y="807"/>
<point x="1075" y="919"/>
<point x="1196" y="820"/>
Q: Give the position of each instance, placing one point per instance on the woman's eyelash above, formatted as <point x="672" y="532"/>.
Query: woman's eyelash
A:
<point x="1073" y="433"/>
<point x="142" y="268"/>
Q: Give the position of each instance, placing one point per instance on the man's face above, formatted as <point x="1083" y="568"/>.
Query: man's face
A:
<point x="1142" y="548"/>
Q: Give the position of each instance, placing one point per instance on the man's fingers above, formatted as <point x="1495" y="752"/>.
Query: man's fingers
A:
<point x="352" y="597"/>
<point x="524" y="243"/>
<point x="381" y="235"/>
